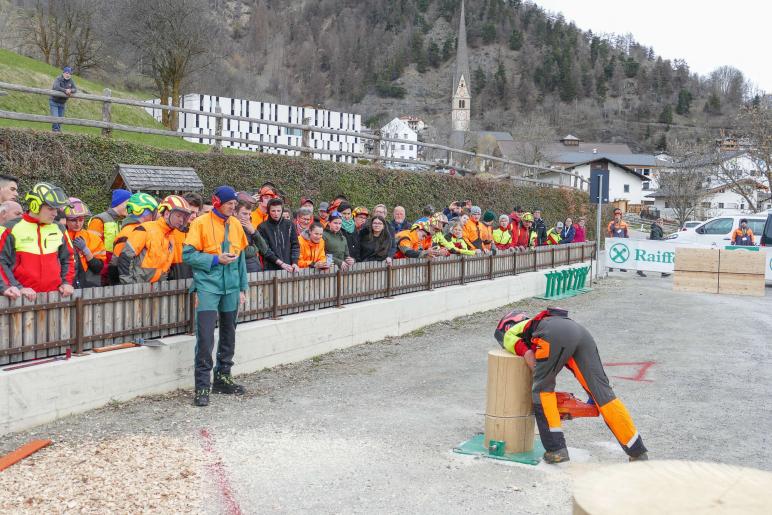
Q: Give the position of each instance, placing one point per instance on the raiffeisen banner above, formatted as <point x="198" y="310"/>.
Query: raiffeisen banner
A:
<point x="656" y="256"/>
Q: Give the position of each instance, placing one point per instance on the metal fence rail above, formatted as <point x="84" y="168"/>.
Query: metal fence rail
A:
<point x="97" y="317"/>
<point x="107" y="126"/>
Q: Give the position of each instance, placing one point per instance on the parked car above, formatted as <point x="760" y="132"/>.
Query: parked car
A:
<point x="766" y="236"/>
<point x="718" y="231"/>
<point x="691" y="224"/>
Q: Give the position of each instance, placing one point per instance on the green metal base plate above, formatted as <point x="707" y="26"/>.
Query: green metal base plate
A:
<point x="476" y="447"/>
<point x="567" y="295"/>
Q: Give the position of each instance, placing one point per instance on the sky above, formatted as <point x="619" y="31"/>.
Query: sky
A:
<point x="707" y="34"/>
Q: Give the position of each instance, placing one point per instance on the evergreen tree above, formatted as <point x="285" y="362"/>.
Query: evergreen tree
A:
<point x="479" y="80"/>
<point x="684" y="102"/>
<point x="713" y="105"/>
<point x="608" y="70"/>
<point x="516" y="40"/>
<point x="500" y="81"/>
<point x="631" y="67"/>
<point x="447" y="48"/>
<point x="488" y="33"/>
<point x="666" y="116"/>
<point x="433" y="56"/>
<point x="662" y="143"/>
<point x="423" y="5"/>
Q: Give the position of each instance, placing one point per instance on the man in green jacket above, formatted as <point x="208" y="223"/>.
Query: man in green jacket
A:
<point x="214" y="248"/>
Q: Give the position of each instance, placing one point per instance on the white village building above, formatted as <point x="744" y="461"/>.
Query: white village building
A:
<point x="264" y="131"/>
<point x="625" y="183"/>
<point x="399" y="129"/>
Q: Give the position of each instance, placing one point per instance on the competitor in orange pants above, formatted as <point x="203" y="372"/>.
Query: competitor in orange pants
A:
<point x="549" y="342"/>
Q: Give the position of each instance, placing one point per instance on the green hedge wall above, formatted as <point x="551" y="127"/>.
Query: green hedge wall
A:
<point x="85" y="166"/>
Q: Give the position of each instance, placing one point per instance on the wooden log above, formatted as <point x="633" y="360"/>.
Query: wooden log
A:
<point x="742" y="262"/>
<point x="741" y="284"/>
<point x="673" y="487"/>
<point x="696" y="260"/>
<point x="697" y="282"/>
<point x="509" y="410"/>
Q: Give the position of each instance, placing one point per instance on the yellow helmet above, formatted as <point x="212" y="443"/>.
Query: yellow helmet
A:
<point x="528" y="217"/>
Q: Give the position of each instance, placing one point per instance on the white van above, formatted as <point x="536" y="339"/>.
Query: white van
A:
<point x="718" y="231"/>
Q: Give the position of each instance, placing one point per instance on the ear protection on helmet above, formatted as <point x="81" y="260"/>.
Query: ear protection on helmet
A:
<point x="216" y="203"/>
<point x="34" y="202"/>
<point x="505" y="324"/>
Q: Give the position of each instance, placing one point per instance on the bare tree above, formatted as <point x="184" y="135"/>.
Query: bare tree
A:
<point x="685" y="184"/>
<point x="63" y="32"/>
<point x="171" y="40"/>
<point x="532" y="135"/>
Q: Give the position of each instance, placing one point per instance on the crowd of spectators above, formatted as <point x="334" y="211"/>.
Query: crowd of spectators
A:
<point x="56" y="243"/>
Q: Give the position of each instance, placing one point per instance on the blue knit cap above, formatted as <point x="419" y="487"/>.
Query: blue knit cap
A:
<point x="119" y="197"/>
<point x="225" y="194"/>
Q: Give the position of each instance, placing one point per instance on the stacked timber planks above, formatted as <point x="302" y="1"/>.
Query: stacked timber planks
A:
<point x="696" y="270"/>
<point x="732" y="272"/>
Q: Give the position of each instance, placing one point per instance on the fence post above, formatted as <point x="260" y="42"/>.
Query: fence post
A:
<point x="78" y="325"/>
<point x="553" y="256"/>
<point x="429" y="274"/>
<point x="106" y="113"/>
<point x="514" y="263"/>
<point x="339" y="288"/>
<point x="275" y="288"/>
<point x="582" y="252"/>
<point x="490" y="267"/>
<point x="463" y="269"/>
<point x="217" y="128"/>
<point x="377" y="145"/>
<point x="388" y="281"/>
<point x="305" y="140"/>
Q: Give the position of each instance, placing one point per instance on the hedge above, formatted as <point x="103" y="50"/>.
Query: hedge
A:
<point x="85" y="166"/>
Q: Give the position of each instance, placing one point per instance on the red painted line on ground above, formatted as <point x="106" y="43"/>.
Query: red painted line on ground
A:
<point x="643" y="367"/>
<point x="218" y="471"/>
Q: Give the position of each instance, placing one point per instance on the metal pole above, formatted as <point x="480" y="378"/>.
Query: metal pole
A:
<point x="597" y="227"/>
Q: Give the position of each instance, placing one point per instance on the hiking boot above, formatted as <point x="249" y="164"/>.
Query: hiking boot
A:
<point x="223" y="383"/>
<point x="644" y="456"/>
<point x="559" y="456"/>
<point x="201" y="398"/>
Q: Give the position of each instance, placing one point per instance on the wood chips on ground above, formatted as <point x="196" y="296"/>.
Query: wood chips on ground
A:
<point x="127" y="474"/>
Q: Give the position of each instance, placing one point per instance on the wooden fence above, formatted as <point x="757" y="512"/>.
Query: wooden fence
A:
<point x="97" y="317"/>
<point x="515" y="170"/>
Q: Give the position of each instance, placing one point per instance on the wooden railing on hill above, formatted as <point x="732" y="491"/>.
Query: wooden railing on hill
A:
<point x="513" y="170"/>
<point x="96" y="317"/>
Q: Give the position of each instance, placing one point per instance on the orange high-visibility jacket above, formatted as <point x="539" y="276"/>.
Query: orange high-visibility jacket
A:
<point x="410" y="245"/>
<point x="93" y="242"/>
<point x="310" y="252"/>
<point x="258" y="217"/>
<point x="147" y="254"/>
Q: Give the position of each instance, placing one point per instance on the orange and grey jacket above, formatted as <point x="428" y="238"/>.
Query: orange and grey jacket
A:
<point x="147" y="253"/>
<point x="209" y="236"/>
<point x="410" y="245"/>
<point x="34" y="255"/>
<point x="617" y="230"/>
<point x="740" y="237"/>
<point x="88" y="272"/>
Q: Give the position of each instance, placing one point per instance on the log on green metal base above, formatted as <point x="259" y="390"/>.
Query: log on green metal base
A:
<point x="476" y="447"/>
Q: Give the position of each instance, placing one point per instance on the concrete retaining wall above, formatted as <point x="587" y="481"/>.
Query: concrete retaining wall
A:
<point x="42" y="393"/>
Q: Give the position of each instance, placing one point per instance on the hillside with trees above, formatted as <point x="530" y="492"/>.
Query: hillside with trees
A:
<point x="383" y="58"/>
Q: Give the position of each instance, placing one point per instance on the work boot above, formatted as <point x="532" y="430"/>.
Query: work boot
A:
<point x="201" y="398"/>
<point x="644" y="456"/>
<point x="640" y="272"/>
<point x="223" y="383"/>
<point x="559" y="456"/>
<point x="665" y="275"/>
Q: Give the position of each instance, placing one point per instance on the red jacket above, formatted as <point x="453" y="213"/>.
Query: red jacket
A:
<point x="580" y="234"/>
<point x="36" y="255"/>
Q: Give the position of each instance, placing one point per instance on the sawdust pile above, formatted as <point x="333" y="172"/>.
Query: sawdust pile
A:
<point x="130" y="474"/>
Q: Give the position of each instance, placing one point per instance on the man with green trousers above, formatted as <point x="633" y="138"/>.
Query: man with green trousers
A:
<point x="214" y="249"/>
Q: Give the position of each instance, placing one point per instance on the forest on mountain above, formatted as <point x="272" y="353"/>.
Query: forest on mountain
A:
<point x="383" y="58"/>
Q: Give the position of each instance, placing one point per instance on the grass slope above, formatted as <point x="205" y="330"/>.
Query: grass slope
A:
<point x="17" y="69"/>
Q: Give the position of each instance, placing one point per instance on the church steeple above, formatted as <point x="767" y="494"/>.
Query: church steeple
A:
<point x="461" y="93"/>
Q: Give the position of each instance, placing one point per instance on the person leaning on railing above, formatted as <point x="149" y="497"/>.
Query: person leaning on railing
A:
<point x="89" y="248"/>
<point x="257" y="247"/>
<point x="312" y="253"/>
<point x="108" y="224"/>
<point x="375" y="241"/>
<point x="34" y="253"/>
<point x="335" y="242"/>
<point x="279" y="234"/>
<point x="140" y="208"/>
<point x="179" y="269"/>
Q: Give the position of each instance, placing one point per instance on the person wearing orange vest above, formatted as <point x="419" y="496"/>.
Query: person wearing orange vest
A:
<point x="743" y="235"/>
<point x="180" y="270"/>
<point x="617" y="228"/>
<point x="214" y="248"/>
<point x="107" y="224"/>
<point x="90" y="255"/>
<point x="140" y="208"/>
<point x="149" y="249"/>
<point x="266" y="192"/>
<point x="414" y="242"/>
<point x="312" y="253"/>
<point x="35" y="254"/>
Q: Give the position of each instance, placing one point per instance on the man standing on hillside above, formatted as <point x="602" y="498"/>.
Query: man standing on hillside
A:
<point x="64" y="84"/>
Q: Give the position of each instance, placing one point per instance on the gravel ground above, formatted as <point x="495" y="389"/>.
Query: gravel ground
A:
<point x="370" y="429"/>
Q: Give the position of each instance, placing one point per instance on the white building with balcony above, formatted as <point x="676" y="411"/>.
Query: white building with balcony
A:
<point x="263" y="132"/>
<point x="399" y="129"/>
